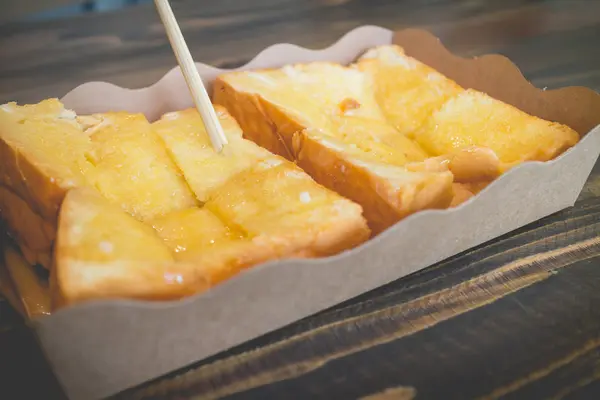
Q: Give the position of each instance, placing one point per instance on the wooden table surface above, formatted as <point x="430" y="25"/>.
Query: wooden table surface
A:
<point x="479" y="325"/>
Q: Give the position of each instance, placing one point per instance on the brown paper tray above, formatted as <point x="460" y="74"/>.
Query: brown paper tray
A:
<point x="100" y="348"/>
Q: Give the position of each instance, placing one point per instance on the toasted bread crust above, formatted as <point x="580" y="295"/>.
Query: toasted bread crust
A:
<point x="36" y="181"/>
<point x="34" y="235"/>
<point x="84" y="273"/>
<point x="383" y="204"/>
<point x="251" y="114"/>
<point x="7" y="287"/>
<point x="31" y="290"/>
<point x="43" y="193"/>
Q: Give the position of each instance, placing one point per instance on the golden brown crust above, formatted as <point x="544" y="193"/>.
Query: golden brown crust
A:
<point x="250" y="115"/>
<point x="7" y="287"/>
<point x="97" y="256"/>
<point x="383" y="204"/>
<point x="30" y="289"/>
<point x="348" y="233"/>
<point x="126" y="280"/>
<point x="332" y="171"/>
<point x="34" y="235"/>
<point x="461" y="194"/>
<point x="41" y="183"/>
<point x="472" y="164"/>
<point x="41" y="191"/>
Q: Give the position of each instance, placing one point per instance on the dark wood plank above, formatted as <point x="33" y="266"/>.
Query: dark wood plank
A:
<point x="514" y="318"/>
<point x="490" y="321"/>
<point x="20" y="8"/>
<point x="24" y="374"/>
<point x="553" y="41"/>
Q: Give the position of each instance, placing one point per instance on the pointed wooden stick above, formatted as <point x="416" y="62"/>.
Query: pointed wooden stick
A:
<point x="192" y="78"/>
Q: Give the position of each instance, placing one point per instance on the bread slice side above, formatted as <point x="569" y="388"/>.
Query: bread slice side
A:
<point x="43" y="154"/>
<point x="386" y="192"/>
<point x="33" y="234"/>
<point x="29" y="289"/>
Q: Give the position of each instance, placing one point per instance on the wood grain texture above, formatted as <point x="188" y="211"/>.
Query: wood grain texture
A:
<point x="12" y="9"/>
<point x="516" y="318"/>
<point x="491" y="321"/>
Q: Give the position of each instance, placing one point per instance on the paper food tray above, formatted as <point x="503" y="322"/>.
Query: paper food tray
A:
<point x="100" y="348"/>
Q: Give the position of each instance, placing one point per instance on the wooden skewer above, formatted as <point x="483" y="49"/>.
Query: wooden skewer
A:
<point x="192" y="78"/>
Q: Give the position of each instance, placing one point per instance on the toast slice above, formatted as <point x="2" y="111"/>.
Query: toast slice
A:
<point x="103" y="252"/>
<point x="406" y="90"/>
<point x="474" y="119"/>
<point x="480" y="136"/>
<point x="189" y="145"/>
<point x="282" y="204"/>
<point x="44" y="154"/>
<point x="408" y="93"/>
<point x="133" y="168"/>
<point x="326" y="118"/>
<point x="272" y="105"/>
<point x="258" y="195"/>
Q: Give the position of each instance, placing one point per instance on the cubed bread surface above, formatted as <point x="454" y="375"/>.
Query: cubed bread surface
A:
<point x="150" y="211"/>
